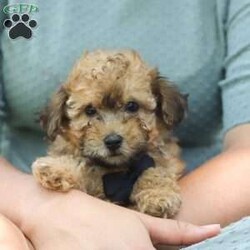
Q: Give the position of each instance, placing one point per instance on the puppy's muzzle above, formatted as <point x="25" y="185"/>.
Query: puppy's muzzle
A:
<point x="113" y="141"/>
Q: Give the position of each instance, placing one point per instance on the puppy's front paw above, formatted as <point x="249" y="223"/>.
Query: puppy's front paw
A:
<point x="158" y="203"/>
<point x="51" y="174"/>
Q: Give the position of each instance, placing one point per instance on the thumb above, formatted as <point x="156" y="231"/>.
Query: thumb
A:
<point x="173" y="232"/>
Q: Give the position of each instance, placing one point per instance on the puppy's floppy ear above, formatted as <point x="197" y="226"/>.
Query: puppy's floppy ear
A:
<point x="53" y="116"/>
<point x="171" y="104"/>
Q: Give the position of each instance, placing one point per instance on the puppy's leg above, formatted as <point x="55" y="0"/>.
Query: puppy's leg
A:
<point x="157" y="193"/>
<point x="60" y="173"/>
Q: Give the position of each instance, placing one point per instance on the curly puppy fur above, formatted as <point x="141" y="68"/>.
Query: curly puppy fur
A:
<point x="95" y="102"/>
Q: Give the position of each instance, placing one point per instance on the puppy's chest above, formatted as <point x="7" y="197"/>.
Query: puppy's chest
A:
<point x="93" y="179"/>
<point x="116" y="184"/>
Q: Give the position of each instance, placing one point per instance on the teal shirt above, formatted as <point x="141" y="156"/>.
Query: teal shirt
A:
<point x="203" y="46"/>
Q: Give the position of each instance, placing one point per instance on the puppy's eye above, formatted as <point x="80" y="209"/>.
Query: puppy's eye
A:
<point x="90" y="110"/>
<point x="132" y="107"/>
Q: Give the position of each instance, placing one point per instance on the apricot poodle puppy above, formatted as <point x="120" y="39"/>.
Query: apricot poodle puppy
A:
<point x="109" y="128"/>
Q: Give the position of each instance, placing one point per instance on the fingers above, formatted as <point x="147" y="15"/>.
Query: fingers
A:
<point x="172" y="232"/>
<point x="11" y="238"/>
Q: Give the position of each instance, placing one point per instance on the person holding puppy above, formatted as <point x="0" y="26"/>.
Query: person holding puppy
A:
<point x="203" y="47"/>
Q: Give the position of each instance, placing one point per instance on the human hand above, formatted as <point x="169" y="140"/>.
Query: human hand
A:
<point x="78" y="221"/>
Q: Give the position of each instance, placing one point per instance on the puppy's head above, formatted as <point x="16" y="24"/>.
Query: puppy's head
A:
<point x="111" y="105"/>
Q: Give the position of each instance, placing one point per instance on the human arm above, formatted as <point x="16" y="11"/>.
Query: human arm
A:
<point x="219" y="190"/>
<point x="78" y="220"/>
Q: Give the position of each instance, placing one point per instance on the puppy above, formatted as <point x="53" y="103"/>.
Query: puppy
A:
<point x="109" y="128"/>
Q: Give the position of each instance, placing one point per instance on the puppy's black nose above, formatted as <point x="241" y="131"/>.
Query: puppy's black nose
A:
<point x="113" y="141"/>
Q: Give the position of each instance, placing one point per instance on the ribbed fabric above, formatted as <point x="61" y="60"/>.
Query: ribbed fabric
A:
<point x="233" y="237"/>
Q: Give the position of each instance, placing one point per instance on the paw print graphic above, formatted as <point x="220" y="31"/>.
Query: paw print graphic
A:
<point x="20" y="26"/>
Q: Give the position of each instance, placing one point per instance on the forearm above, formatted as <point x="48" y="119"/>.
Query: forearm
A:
<point x="20" y="194"/>
<point x="219" y="190"/>
<point x="14" y="189"/>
